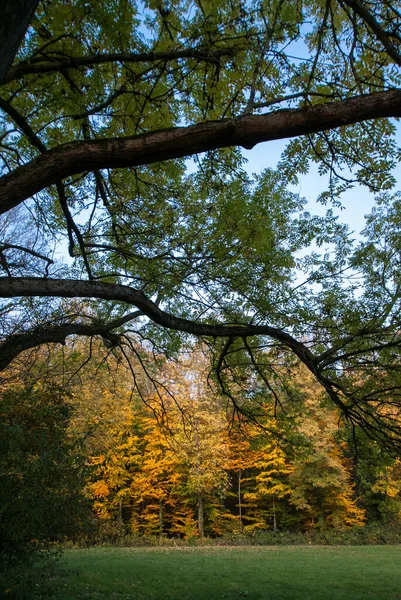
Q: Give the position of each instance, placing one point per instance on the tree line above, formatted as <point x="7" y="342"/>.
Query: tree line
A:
<point x="91" y="457"/>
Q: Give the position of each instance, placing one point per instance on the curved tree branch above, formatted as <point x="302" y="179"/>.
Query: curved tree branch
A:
<point x="88" y="155"/>
<point x="46" y="334"/>
<point x="49" y="66"/>
<point x="70" y="288"/>
<point x="355" y="409"/>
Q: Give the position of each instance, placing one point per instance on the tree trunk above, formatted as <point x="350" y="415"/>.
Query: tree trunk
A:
<point x="120" y="511"/>
<point x="200" y="515"/>
<point x="239" y="497"/>
<point x="321" y="516"/>
<point x="15" y="16"/>
<point x="274" y="515"/>
<point x="160" y="518"/>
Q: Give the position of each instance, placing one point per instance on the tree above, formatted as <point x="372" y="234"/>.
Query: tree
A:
<point x="42" y="473"/>
<point x="196" y="430"/>
<point x="377" y="478"/>
<point x="154" y="486"/>
<point x="241" y="459"/>
<point x="321" y="485"/>
<point x="271" y="485"/>
<point x="119" y="454"/>
<point x="98" y="110"/>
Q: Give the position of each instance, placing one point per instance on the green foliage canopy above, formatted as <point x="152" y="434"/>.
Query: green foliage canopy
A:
<point x="103" y="102"/>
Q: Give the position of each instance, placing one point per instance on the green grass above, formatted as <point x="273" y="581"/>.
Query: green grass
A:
<point x="277" y="573"/>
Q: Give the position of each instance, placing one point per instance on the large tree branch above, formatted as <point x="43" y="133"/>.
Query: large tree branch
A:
<point x="15" y="16"/>
<point x="49" y="66"/>
<point x="69" y="288"/>
<point x="356" y="410"/>
<point x="46" y="334"/>
<point x="65" y="288"/>
<point x="88" y="155"/>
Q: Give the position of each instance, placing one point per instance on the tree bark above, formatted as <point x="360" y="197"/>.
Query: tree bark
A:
<point x="239" y="498"/>
<point x="200" y="515"/>
<point x="160" y="518"/>
<point x="274" y="515"/>
<point x="15" y="16"/>
<point x="246" y="131"/>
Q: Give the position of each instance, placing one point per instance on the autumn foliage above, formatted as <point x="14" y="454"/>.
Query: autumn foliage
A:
<point x="170" y="459"/>
<point x="181" y="464"/>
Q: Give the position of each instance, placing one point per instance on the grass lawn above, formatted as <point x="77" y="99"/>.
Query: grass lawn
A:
<point x="291" y="573"/>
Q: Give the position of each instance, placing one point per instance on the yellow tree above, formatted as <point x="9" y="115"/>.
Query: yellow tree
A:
<point x="241" y="460"/>
<point x="203" y="452"/>
<point x="198" y="430"/>
<point x="154" y="486"/>
<point x="270" y="483"/>
<point x="321" y="483"/>
<point x="114" y="446"/>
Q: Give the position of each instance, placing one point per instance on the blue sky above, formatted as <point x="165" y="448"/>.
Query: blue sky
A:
<point x="356" y="202"/>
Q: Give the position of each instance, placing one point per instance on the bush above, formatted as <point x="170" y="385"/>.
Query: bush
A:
<point x="41" y="475"/>
<point x="352" y="536"/>
<point x="112" y="534"/>
<point x="31" y="581"/>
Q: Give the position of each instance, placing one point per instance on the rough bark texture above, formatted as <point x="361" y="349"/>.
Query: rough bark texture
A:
<point x="15" y="16"/>
<point x="77" y="157"/>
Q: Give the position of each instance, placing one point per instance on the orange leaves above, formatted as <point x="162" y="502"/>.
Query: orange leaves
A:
<point x="185" y="470"/>
<point x="99" y="489"/>
<point x="98" y="460"/>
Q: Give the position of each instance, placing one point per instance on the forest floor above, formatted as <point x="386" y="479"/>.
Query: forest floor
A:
<point x="276" y="573"/>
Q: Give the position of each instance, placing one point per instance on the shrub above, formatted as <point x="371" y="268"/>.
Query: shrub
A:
<point x="41" y="475"/>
